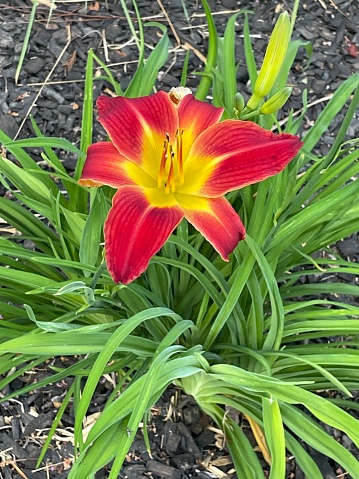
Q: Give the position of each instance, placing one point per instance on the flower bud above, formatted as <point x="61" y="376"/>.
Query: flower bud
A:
<point x="276" y="101"/>
<point x="238" y="102"/>
<point x="274" y="56"/>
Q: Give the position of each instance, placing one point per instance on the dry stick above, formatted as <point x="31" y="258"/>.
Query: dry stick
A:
<point x="19" y="471"/>
<point x="315" y="102"/>
<point x="44" y="468"/>
<point x="104" y="42"/>
<point x="188" y="46"/>
<point x="221" y="12"/>
<point x="59" y="82"/>
<point x="68" y="28"/>
<point x="178" y="40"/>
<point x="333" y="4"/>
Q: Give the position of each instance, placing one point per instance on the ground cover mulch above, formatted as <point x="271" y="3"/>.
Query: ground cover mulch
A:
<point x="184" y="442"/>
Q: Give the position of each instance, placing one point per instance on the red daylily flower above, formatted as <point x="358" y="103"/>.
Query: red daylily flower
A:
<point x="170" y="158"/>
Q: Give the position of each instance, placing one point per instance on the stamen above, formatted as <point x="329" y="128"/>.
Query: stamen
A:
<point x="163" y="161"/>
<point x="171" y="177"/>
<point x="179" y="142"/>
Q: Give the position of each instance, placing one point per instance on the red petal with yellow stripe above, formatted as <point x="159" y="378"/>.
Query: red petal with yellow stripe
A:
<point x="135" y="230"/>
<point x="104" y="166"/>
<point x="195" y="117"/>
<point x="138" y="126"/>
<point x="216" y="220"/>
<point x="233" y="154"/>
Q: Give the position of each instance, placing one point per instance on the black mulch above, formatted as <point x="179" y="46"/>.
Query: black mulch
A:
<point x="184" y="442"/>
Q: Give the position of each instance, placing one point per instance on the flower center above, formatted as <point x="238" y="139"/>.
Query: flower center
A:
<point x="171" y="163"/>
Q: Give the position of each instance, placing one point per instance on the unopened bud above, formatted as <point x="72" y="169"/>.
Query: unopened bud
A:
<point x="238" y="102"/>
<point x="274" y="56"/>
<point x="276" y="101"/>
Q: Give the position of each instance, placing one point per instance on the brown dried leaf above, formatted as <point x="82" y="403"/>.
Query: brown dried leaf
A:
<point x="22" y="96"/>
<point x="352" y="50"/>
<point x="95" y="7"/>
<point x="260" y="438"/>
<point x="69" y="63"/>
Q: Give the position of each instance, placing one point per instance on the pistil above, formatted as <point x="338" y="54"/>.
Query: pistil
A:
<point x="163" y="161"/>
<point x="179" y="142"/>
<point x="171" y="185"/>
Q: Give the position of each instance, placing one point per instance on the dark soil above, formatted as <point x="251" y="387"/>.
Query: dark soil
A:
<point x="184" y="442"/>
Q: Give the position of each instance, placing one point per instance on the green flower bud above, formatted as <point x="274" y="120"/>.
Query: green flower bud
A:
<point x="274" y="56"/>
<point x="239" y="102"/>
<point x="276" y="101"/>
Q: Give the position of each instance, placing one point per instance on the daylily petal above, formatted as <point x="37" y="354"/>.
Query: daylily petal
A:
<point x="233" y="154"/>
<point x="105" y="166"/>
<point x="138" y="126"/>
<point x="216" y="220"/>
<point x="134" y="231"/>
<point x="195" y="117"/>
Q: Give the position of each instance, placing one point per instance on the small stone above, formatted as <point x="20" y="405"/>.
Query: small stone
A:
<point x="70" y="122"/>
<point x="8" y="72"/>
<point x="6" y="40"/>
<point x="8" y="125"/>
<point x="60" y="36"/>
<point x="65" y="109"/>
<point x="319" y="86"/>
<point x="51" y="93"/>
<point x="47" y="104"/>
<point x="5" y="61"/>
<point x="163" y="470"/>
<point x="62" y="121"/>
<point x="349" y="246"/>
<point x="18" y="48"/>
<point x="42" y="36"/>
<point x="112" y="32"/>
<point x="70" y="162"/>
<point x="34" y="65"/>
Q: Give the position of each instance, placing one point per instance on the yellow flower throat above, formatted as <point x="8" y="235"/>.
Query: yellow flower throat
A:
<point x="169" y="160"/>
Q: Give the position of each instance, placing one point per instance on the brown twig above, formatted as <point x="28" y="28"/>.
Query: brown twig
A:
<point x="175" y="34"/>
